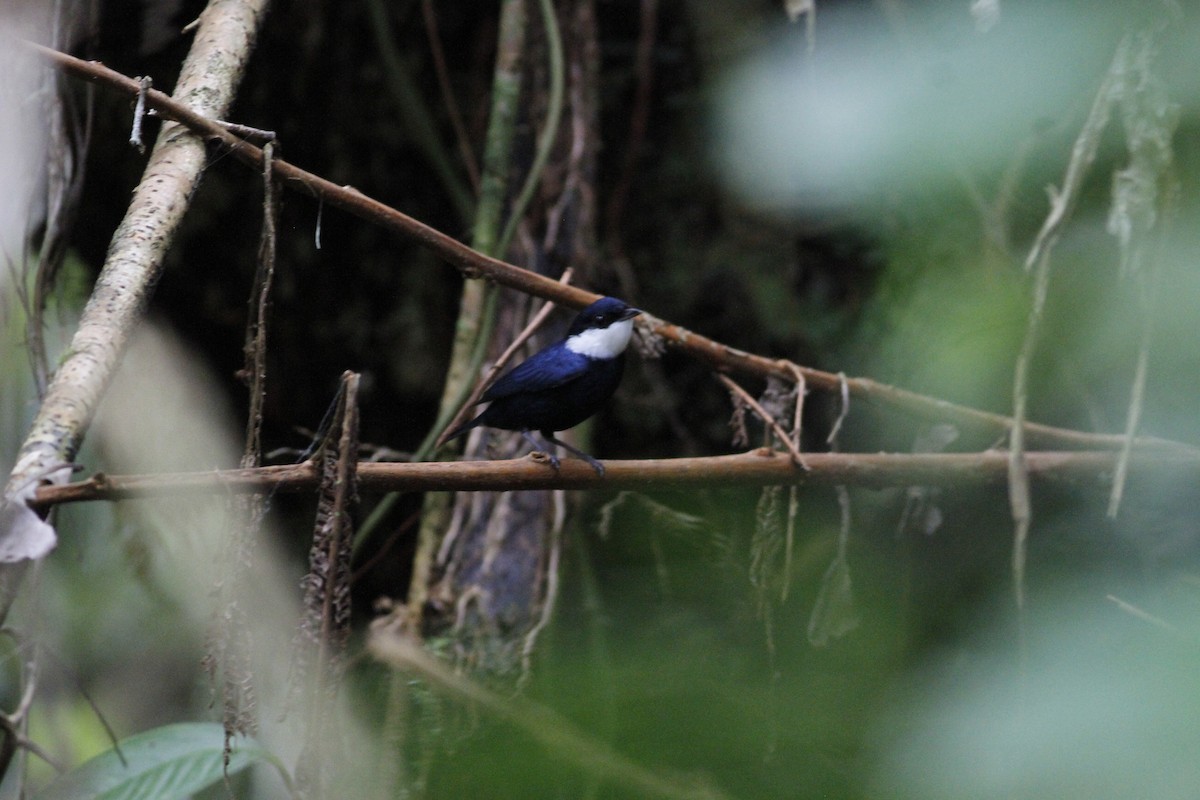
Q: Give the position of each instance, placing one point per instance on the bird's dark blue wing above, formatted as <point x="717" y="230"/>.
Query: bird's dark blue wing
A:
<point x="544" y="370"/>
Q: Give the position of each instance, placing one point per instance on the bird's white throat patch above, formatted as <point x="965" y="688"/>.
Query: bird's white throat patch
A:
<point x="607" y="342"/>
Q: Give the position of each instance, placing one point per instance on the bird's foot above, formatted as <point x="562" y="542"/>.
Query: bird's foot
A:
<point x="596" y="465"/>
<point x="548" y="458"/>
<point x="553" y="461"/>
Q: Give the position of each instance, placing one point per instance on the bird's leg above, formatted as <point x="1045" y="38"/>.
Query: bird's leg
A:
<point x="541" y="447"/>
<point x="596" y="465"/>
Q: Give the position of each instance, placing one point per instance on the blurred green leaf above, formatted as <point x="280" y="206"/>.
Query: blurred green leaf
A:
<point x="172" y="761"/>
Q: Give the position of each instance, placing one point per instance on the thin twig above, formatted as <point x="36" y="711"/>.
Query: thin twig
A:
<point x="1141" y="614"/>
<point x="139" y="114"/>
<point x="474" y="264"/>
<point x="255" y="348"/>
<point x="1137" y="396"/>
<point x="449" y="102"/>
<point x="1062" y="204"/>
<point x="317" y="226"/>
<point x="794" y="491"/>
<point x="842" y="413"/>
<point x="1083" y="154"/>
<point x="844" y="508"/>
<point x="79" y="686"/>
<point x="767" y="419"/>
<point x="538" y="320"/>
<point x="1147" y="116"/>
<point x="25" y="743"/>
<point x="384" y="549"/>
<point x="247" y="132"/>
<point x="552" y="572"/>
<point x="412" y="110"/>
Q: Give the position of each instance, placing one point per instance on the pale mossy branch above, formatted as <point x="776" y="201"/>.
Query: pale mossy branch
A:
<point x="209" y="77"/>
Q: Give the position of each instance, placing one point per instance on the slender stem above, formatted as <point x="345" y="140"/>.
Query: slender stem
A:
<point x="465" y="410"/>
<point x="549" y="131"/>
<point x="558" y="734"/>
<point x="1062" y="204"/>
<point x="476" y="264"/>
<point x="448" y="99"/>
<point x="414" y="113"/>
<point x="780" y="434"/>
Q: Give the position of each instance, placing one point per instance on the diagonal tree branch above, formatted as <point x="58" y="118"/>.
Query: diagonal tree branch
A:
<point x="474" y="264"/>
<point x="207" y="82"/>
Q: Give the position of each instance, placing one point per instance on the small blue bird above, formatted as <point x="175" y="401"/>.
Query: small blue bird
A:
<point x="564" y="384"/>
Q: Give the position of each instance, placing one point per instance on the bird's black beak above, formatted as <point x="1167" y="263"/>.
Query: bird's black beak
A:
<point x="630" y="313"/>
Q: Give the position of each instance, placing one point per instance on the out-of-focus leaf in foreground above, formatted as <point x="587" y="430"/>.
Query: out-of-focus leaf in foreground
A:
<point x="1103" y="706"/>
<point x="873" y="112"/>
<point x="173" y="761"/>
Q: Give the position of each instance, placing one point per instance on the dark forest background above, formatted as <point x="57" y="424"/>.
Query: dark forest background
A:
<point x="861" y="201"/>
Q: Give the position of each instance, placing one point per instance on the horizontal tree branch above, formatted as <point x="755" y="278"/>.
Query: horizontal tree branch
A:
<point x="754" y="468"/>
<point x="473" y="264"/>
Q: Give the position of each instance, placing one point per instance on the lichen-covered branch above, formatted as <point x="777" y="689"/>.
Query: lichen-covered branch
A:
<point x="207" y="82"/>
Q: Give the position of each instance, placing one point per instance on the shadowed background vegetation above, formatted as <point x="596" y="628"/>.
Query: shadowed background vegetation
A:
<point x="864" y="205"/>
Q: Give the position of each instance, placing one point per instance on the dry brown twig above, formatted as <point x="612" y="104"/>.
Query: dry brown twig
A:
<point x="718" y="355"/>
<point x="474" y="265"/>
<point x="451" y="104"/>
<point x="780" y="434"/>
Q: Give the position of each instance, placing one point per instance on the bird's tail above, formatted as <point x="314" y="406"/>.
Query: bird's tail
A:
<point x="454" y="433"/>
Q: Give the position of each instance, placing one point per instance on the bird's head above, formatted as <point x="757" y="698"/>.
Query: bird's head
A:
<point x="602" y="330"/>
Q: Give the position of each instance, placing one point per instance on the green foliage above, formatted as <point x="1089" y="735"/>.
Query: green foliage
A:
<point x="174" y="761"/>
